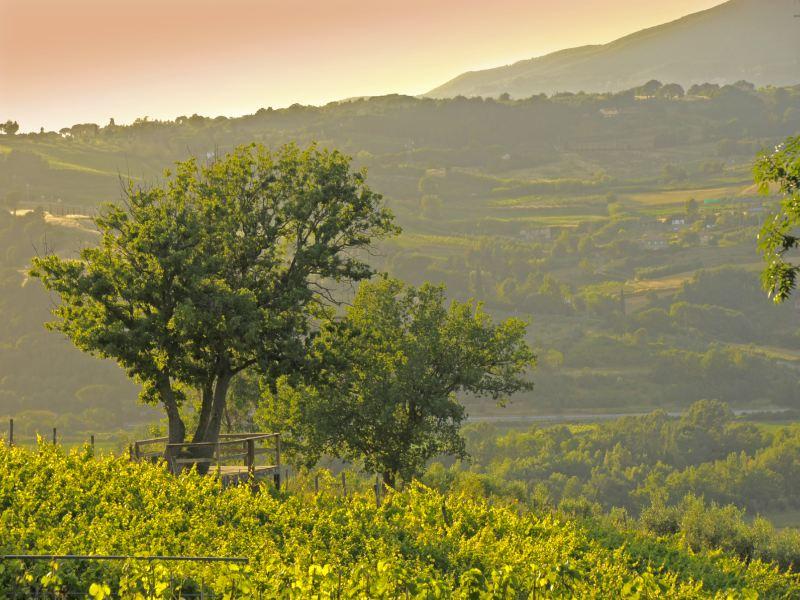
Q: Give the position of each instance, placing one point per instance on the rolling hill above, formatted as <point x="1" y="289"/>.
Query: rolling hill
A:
<point x="754" y="40"/>
<point x="543" y="207"/>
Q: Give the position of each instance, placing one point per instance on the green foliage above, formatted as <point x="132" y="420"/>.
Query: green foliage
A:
<point x="710" y="526"/>
<point x="9" y="127"/>
<point x="418" y="544"/>
<point x="44" y="383"/>
<point x="782" y="170"/>
<point x="516" y="215"/>
<point x="384" y="385"/>
<point x="665" y="270"/>
<point x="219" y="269"/>
<point x="636" y="462"/>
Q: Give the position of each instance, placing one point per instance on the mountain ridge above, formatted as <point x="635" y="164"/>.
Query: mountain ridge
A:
<point x="740" y="39"/>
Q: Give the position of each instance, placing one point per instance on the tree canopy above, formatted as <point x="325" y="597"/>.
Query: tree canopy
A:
<point x="387" y="375"/>
<point x="9" y="127"/>
<point x="778" y="237"/>
<point x="220" y="268"/>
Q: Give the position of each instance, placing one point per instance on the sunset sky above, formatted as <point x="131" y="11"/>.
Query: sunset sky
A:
<point x="64" y="62"/>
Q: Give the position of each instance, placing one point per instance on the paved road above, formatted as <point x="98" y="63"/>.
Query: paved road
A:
<point x="570" y="418"/>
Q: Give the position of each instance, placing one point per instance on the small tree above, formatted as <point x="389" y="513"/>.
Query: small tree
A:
<point x="385" y="389"/>
<point x="9" y="127"/>
<point x="692" y="209"/>
<point x="671" y="90"/>
<point x="12" y="200"/>
<point x="218" y="270"/>
<point x="778" y="237"/>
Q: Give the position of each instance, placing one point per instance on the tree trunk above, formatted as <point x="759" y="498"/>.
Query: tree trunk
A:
<point x="227" y="419"/>
<point x="218" y="409"/>
<point x="207" y="403"/>
<point x="211" y="418"/>
<point x="389" y="479"/>
<point x="176" y="428"/>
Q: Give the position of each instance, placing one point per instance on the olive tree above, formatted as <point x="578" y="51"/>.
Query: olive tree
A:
<point x="219" y="269"/>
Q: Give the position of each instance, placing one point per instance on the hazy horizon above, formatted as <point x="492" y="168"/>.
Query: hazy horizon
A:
<point x="90" y="61"/>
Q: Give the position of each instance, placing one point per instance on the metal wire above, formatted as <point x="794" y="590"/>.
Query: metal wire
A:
<point x="233" y="559"/>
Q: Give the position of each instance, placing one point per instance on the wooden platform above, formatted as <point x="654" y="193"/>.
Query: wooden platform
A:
<point x="233" y="458"/>
<point x="233" y="474"/>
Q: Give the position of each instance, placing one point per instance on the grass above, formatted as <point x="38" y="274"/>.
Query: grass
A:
<point x="103" y="444"/>
<point x="541" y="201"/>
<point x="673" y="282"/>
<point x="773" y="352"/>
<point x="419" y="241"/>
<point x="551" y="220"/>
<point x="69" y="166"/>
<point x="681" y="196"/>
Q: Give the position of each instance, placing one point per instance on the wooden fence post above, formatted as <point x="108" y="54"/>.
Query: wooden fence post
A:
<point x="91" y="441"/>
<point x="54" y="436"/>
<point x="316" y="483"/>
<point x="377" y="490"/>
<point x="344" y="485"/>
<point x="277" y="477"/>
<point x="251" y="457"/>
<point x="11" y="432"/>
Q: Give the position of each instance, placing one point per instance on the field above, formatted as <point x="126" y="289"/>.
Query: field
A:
<point x="680" y="196"/>
<point x="417" y="544"/>
<point x="636" y="267"/>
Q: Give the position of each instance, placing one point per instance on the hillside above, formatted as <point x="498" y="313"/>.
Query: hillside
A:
<point x="418" y="544"/>
<point x="623" y="228"/>
<point x="755" y="40"/>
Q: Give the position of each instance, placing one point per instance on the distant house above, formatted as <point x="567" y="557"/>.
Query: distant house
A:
<point x="675" y="223"/>
<point x="609" y="113"/>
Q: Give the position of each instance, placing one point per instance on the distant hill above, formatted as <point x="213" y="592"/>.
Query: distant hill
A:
<point x="754" y="40"/>
<point x="540" y="207"/>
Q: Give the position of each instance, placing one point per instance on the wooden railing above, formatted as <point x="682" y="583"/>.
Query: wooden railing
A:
<point x="138" y="452"/>
<point x="233" y="457"/>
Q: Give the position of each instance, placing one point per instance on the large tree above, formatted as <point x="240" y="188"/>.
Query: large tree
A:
<point x="219" y="269"/>
<point x="781" y="169"/>
<point x="386" y="384"/>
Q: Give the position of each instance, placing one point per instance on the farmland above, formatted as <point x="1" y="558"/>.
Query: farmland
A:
<point x="416" y="544"/>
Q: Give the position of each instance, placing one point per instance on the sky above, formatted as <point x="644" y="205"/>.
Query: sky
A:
<point x="75" y="61"/>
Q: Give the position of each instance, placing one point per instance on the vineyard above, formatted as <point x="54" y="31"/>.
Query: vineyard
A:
<point x="303" y="543"/>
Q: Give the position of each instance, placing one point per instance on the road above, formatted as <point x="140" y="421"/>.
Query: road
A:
<point x="589" y="417"/>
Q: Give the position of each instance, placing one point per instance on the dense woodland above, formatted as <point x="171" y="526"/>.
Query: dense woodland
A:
<point x="632" y="462"/>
